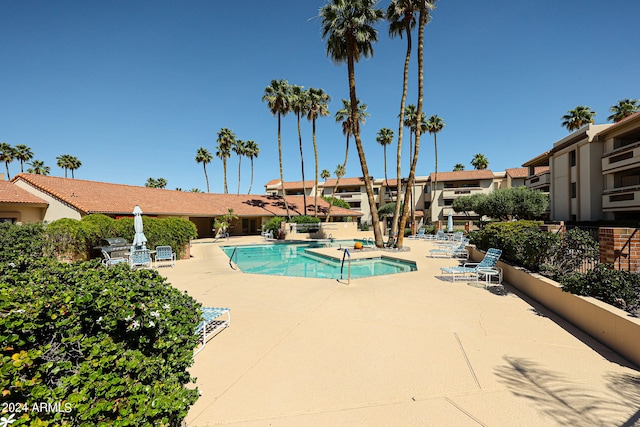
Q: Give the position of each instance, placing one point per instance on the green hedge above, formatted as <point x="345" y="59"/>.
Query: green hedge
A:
<point x="21" y="241"/>
<point x="112" y="346"/>
<point x="72" y="237"/>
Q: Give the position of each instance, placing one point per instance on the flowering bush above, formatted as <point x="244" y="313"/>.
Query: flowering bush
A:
<point x="110" y="346"/>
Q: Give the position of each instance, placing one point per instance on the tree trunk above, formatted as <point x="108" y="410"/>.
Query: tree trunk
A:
<point x="315" y="153"/>
<point x="251" y="183"/>
<point x="206" y="177"/>
<point x="284" y="195"/>
<point x="224" y="170"/>
<point x="422" y="22"/>
<point x="239" y="163"/>
<point x="435" y="181"/>
<point x="344" y="165"/>
<point x="304" y="189"/>
<point x="396" y="214"/>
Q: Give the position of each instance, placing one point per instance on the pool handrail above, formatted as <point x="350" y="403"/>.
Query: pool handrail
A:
<point x="231" y="258"/>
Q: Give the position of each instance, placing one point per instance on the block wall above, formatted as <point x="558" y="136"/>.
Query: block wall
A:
<point x="620" y="246"/>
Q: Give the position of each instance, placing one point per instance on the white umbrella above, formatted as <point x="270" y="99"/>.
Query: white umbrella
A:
<point x="450" y="223"/>
<point x="139" y="239"/>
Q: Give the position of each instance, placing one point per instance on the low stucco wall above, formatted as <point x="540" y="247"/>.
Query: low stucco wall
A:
<point x="335" y="230"/>
<point x="609" y="325"/>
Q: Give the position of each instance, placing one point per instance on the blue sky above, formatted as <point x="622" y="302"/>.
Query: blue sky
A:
<point x="133" y="89"/>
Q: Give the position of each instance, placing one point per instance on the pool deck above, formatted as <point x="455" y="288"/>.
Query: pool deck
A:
<point x="400" y="350"/>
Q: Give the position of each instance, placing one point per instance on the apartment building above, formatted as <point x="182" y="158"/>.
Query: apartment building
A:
<point x="592" y="174"/>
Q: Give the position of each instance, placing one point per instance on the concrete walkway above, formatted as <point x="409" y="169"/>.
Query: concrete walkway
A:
<point x="401" y="350"/>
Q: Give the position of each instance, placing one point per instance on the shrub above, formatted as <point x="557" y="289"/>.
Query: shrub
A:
<point x="364" y="226"/>
<point x="615" y="287"/>
<point x="112" y="345"/>
<point x="575" y="249"/>
<point x="273" y="225"/>
<point x="66" y="238"/>
<point x="21" y="241"/>
<point x="304" y="219"/>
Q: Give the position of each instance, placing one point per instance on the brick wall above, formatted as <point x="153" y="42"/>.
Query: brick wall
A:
<point x="620" y="246"/>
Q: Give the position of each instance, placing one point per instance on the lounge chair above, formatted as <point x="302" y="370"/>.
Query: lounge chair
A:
<point x="474" y="269"/>
<point x="108" y="261"/>
<point x="419" y="235"/>
<point x="165" y="255"/>
<point x="140" y="258"/>
<point x="211" y="325"/>
<point x="438" y="236"/>
<point x="451" y="251"/>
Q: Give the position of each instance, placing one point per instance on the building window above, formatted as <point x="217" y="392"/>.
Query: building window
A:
<point x="448" y="202"/>
<point x="572" y="157"/>
<point x="574" y="190"/>
<point x="376" y="191"/>
<point x="427" y="205"/>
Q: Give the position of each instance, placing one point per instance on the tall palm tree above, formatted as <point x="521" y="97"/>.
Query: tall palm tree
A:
<point x="38" y="167"/>
<point x="226" y="139"/>
<point x="425" y="7"/>
<point x="458" y="167"/>
<point x="384" y="138"/>
<point x="624" y="108"/>
<point x="300" y="106"/>
<point x="325" y="174"/>
<point x="348" y="27"/>
<point x="64" y="161"/>
<point x="204" y="156"/>
<point x="401" y="15"/>
<point x="318" y="107"/>
<point x="239" y="147"/>
<point x="480" y="161"/>
<point x="344" y="115"/>
<point x="251" y="151"/>
<point x="339" y="173"/>
<point x="578" y="117"/>
<point x="434" y="125"/>
<point x="24" y="154"/>
<point x="74" y="163"/>
<point x="277" y="96"/>
<point x="7" y="154"/>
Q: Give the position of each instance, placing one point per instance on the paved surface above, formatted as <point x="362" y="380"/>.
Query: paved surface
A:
<point x="402" y="350"/>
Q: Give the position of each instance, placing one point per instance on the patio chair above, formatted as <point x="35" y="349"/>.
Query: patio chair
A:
<point x="108" y="261"/>
<point x="165" y="255"/>
<point x="438" y="236"/>
<point x="451" y="251"/>
<point x="211" y="324"/>
<point x="418" y="235"/>
<point x="474" y="269"/>
<point x="140" y="258"/>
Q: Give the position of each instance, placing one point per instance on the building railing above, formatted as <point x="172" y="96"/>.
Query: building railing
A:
<point x="621" y="157"/>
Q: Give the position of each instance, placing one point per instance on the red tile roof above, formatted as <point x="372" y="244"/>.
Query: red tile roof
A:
<point x="517" y="172"/>
<point x="11" y="193"/>
<point x="462" y="175"/>
<point x="102" y="197"/>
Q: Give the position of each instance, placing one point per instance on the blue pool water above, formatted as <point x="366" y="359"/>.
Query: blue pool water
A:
<point x="293" y="259"/>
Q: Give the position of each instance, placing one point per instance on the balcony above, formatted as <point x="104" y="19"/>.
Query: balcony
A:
<point x="621" y="199"/>
<point x="452" y="193"/>
<point x="621" y="158"/>
<point x="538" y="181"/>
<point x="349" y="196"/>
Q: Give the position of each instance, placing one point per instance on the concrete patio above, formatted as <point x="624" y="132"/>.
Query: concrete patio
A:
<point x="401" y="350"/>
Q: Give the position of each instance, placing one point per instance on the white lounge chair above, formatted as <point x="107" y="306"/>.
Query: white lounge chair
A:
<point x="475" y="270"/>
<point x="165" y="255"/>
<point x="211" y="324"/>
<point x="419" y="235"/>
<point x="451" y="251"/>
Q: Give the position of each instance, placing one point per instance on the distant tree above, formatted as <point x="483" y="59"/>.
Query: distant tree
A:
<point x="528" y="203"/>
<point x="318" y="107"/>
<point x="38" y="167"/>
<point x="505" y="204"/>
<point x="204" y="156"/>
<point x="226" y="139"/>
<point x="434" y="125"/>
<point x="24" y="154"/>
<point x="339" y="172"/>
<point x="578" y="117"/>
<point x="74" y="163"/>
<point x="156" y="183"/>
<point x="384" y="138"/>
<point x="64" y="161"/>
<point x="458" y="167"/>
<point x="239" y="147"/>
<point x="251" y="151"/>
<point x="334" y="201"/>
<point x="463" y="204"/>
<point x="196" y="190"/>
<point x="624" y="108"/>
<point x="480" y="162"/>
<point x="325" y="174"/>
<point x="278" y="99"/>
<point x="7" y="154"/>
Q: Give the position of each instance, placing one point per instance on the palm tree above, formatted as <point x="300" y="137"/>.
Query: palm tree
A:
<point x="318" y="107"/>
<point x="325" y="174"/>
<point x="578" y="117"/>
<point x="225" y="141"/>
<point x="156" y="183"/>
<point x="204" y="156"/>
<point x="278" y="99"/>
<point x="401" y="17"/>
<point x="344" y="115"/>
<point x="384" y="138"/>
<point x="480" y="161"/>
<point x="7" y="154"/>
<point x="425" y="7"/>
<point x="348" y="27"/>
<point x="74" y="164"/>
<point x="624" y="108"/>
<point x="251" y="150"/>
<point x="300" y="106"/>
<point x="339" y="173"/>
<point x="458" y="167"/>
<point x="435" y="125"/>
<point x="38" y="167"/>
<point x="64" y="161"/>
<point x="239" y="148"/>
<point x="24" y="154"/>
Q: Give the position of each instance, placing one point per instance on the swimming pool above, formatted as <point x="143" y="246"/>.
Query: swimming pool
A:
<point x="295" y="259"/>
